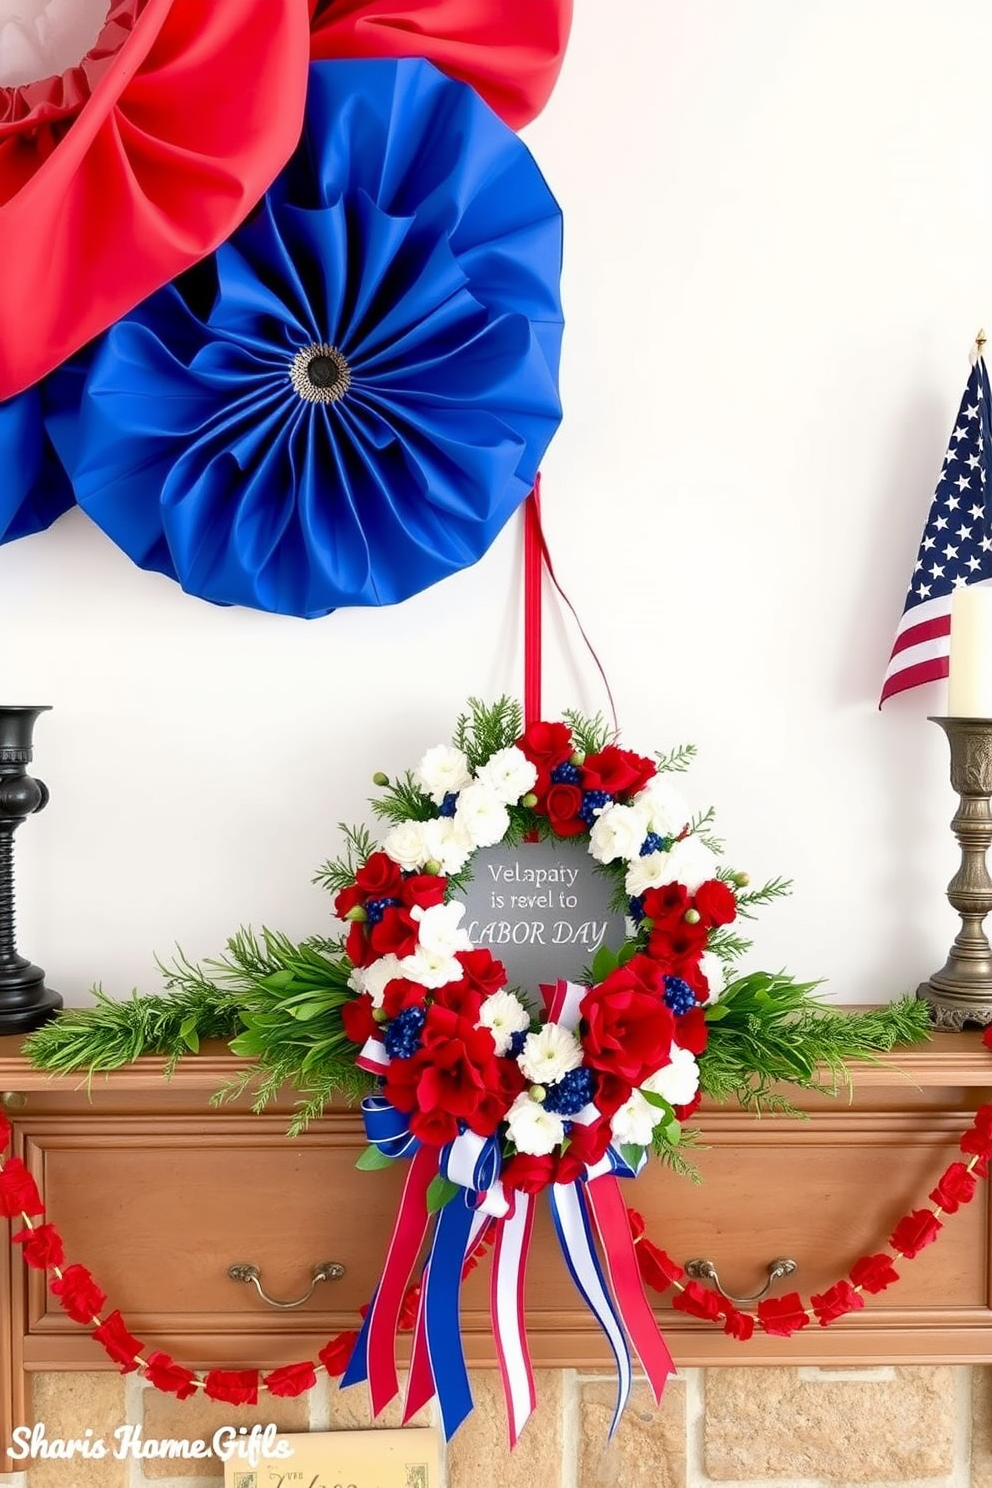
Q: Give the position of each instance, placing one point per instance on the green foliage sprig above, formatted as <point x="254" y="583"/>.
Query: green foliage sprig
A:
<point x="773" y="1030"/>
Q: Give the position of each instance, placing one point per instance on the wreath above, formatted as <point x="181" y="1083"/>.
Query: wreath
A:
<point x="493" y="1093"/>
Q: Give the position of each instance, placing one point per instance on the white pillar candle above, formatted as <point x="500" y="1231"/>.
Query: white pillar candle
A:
<point x="969" y="691"/>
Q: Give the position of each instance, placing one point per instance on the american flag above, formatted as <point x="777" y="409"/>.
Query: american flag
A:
<point x="956" y="547"/>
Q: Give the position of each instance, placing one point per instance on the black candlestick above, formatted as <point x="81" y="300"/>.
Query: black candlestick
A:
<point x="25" y="1001"/>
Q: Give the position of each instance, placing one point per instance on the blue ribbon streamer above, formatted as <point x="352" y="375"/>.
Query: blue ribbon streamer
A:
<point x="485" y="1170"/>
<point x="387" y="1128"/>
<point x="601" y="1306"/>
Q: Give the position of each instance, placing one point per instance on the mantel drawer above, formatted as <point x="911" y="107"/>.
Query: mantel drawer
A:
<point x="160" y="1218"/>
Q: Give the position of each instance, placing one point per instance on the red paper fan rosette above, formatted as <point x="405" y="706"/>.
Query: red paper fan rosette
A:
<point x="509" y="50"/>
<point x="137" y="162"/>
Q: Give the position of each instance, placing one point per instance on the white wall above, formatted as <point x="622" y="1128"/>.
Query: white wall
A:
<point x="779" y="246"/>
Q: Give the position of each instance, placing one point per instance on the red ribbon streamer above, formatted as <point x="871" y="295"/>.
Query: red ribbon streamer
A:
<point x="610" y="1213"/>
<point x="404" y="1247"/>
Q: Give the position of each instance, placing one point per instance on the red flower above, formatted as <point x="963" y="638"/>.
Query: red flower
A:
<point x="232" y="1386"/>
<point x="978" y="1138"/>
<point x="956" y="1186"/>
<point x="586" y="1145"/>
<point x="782" y="1316"/>
<point x="78" y="1293"/>
<point x="422" y="890"/>
<point x="716" y="903"/>
<point x="395" y="934"/>
<point x="163" y="1373"/>
<point x="636" y="1222"/>
<point x="546" y="745"/>
<point x="434" y="1128"/>
<point x="43" y="1247"/>
<point x="666" y="904"/>
<point x="461" y="999"/>
<point x="676" y="941"/>
<point x="18" y="1191"/>
<point x="358" y="947"/>
<point x="738" y="1324"/>
<point x="611" y="1094"/>
<point x="347" y="900"/>
<point x="691" y="1031"/>
<point x="837" y="1300"/>
<point x="529" y="1174"/>
<point x="291" y="1380"/>
<point x="915" y="1232"/>
<point x="357" y="1018"/>
<point x="657" y="1268"/>
<point x="682" y="1113"/>
<point x="4" y="1134"/>
<point x="987" y="1036"/>
<point x="336" y="1355"/>
<point x="627" y="1029"/>
<point x="698" y="1301"/>
<point x="379" y="877"/>
<point x="121" y="1345"/>
<point x="874" y="1273"/>
<point x="401" y="994"/>
<point x="483" y="973"/>
<point x="619" y="772"/>
<point x="562" y="805"/>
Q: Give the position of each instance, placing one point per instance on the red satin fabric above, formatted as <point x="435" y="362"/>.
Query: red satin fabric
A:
<point x="509" y="50"/>
<point x="177" y="135"/>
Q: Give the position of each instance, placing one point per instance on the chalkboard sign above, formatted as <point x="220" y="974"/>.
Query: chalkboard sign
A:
<point x="542" y="909"/>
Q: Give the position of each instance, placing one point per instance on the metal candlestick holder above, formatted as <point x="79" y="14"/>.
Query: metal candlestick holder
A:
<point x="961" y="992"/>
<point x="25" y="1001"/>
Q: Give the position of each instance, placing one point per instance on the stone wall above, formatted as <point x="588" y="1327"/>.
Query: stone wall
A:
<point x="917" y="1427"/>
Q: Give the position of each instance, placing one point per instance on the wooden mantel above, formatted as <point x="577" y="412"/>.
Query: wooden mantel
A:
<point x="159" y="1193"/>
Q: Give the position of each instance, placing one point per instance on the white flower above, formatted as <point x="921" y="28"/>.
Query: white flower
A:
<point x="504" y="1015"/>
<point x="647" y="873"/>
<point x="635" y="1120"/>
<point x="406" y="844"/>
<point x="549" y="1054"/>
<point x="509" y="774"/>
<point x="691" y="863"/>
<point x="439" y="932"/>
<point x="664" y="806"/>
<point x="715" y="972"/>
<point x="532" y="1129"/>
<point x="373" y="979"/>
<point x="443" y="771"/>
<point x="678" y="1081"/>
<point x="446" y="844"/>
<point x="618" y="832"/>
<point x="481" y="816"/>
<point x="431" y="968"/>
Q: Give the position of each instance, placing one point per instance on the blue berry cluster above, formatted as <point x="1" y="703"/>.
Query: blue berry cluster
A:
<point x="654" y="843"/>
<point x="402" y="1036"/>
<point x="448" y="805"/>
<point x="566" y="774"/>
<point x="679" y="996"/>
<point x="635" y="908"/>
<point x="569" y="1094"/>
<point x="592" y="803"/>
<point x="376" y="908"/>
<point x="517" y="1041"/>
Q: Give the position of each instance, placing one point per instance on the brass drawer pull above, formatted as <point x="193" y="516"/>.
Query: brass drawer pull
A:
<point x="701" y="1270"/>
<point x="326" y="1271"/>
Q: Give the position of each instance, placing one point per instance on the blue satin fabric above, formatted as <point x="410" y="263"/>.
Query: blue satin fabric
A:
<point x="34" y="488"/>
<point x="412" y="231"/>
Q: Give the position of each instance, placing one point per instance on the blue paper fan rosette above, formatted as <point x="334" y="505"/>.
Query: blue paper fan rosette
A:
<point x="349" y="399"/>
